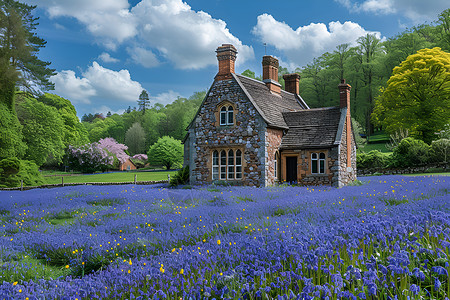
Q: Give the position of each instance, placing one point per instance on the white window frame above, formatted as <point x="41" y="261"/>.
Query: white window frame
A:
<point x="215" y="165"/>
<point x="318" y="159"/>
<point x="238" y="160"/>
<point x="230" y="115"/>
<point x="223" y="165"/>
<point x="223" y="115"/>
<point x="226" y="164"/>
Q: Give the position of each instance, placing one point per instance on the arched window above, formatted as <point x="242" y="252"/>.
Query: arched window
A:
<point x="314" y="163"/>
<point x="230" y="164"/>
<point x="238" y="164"/>
<point x="230" y="120"/>
<point x="215" y="165"/>
<point x="322" y="163"/>
<point x="223" y="165"/>
<point x="223" y="116"/>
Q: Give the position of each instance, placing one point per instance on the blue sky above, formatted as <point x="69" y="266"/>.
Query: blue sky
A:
<point x="106" y="51"/>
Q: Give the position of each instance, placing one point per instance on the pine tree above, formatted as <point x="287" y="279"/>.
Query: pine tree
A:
<point x="143" y="101"/>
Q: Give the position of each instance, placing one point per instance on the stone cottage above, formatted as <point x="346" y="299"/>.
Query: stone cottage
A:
<point x="251" y="132"/>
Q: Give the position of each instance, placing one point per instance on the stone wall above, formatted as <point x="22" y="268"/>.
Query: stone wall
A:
<point x="248" y="134"/>
<point x="346" y="175"/>
<point x="304" y="175"/>
<point x="272" y="144"/>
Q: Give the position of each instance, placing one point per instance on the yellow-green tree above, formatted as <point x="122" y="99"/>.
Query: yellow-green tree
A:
<point x="417" y="96"/>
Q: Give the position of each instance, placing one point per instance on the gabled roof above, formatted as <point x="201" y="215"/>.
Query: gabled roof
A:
<point x="313" y="128"/>
<point x="270" y="106"/>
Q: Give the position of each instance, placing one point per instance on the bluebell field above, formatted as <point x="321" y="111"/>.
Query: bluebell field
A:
<point x="386" y="239"/>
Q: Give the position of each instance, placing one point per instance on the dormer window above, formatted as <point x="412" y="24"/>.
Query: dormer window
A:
<point x="227" y="115"/>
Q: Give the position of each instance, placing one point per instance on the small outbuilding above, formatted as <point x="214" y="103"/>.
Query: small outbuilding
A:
<point x="127" y="165"/>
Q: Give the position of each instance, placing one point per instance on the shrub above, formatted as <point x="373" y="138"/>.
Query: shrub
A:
<point x="139" y="160"/>
<point x="411" y="152"/>
<point x="440" y="151"/>
<point x="180" y="177"/>
<point x="167" y="152"/>
<point x="90" y="158"/>
<point x="13" y="170"/>
<point x="372" y="159"/>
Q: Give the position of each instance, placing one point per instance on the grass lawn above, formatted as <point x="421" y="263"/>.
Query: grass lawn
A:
<point x="379" y="136"/>
<point x="111" y="177"/>
<point x="379" y="146"/>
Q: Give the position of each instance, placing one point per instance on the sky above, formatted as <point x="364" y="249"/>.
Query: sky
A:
<point x="105" y="52"/>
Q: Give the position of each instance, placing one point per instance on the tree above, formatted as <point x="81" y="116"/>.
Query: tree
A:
<point x="18" y="52"/>
<point x="90" y="158"/>
<point x="43" y="129"/>
<point x="18" y="65"/>
<point x="444" y="21"/>
<point x="143" y="101"/>
<point x="369" y="48"/>
<point x="249" y="73"/>
<point x="417" y="97"/>
<point x="167" y="152"/>
<point x="114" y="148"/>
<point x="13" y="171"/>
<point x="11" y="138"/>
<point x="135" y="139"/>
<point x="74" y="133"/>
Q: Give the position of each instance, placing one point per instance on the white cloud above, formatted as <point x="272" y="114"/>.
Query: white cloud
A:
<point x="107" y="58"/>
<point x="109" y="20"/>
<point x="98" y="82"/>
<point x="164" y="98"/>
<point x="185" y="37"/>
<point x="74" y="88"/>
<point x="301" y="45"/>
<point x="114" y="85"/>
<point x="143" y="57"/>
<point x="418" y="11"/>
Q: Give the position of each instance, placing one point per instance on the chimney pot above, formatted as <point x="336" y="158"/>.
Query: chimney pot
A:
<point x="226" y="56"/>
<point x="270" y="73"/>
<point x="344" y="94"/>
<point x="291" y="83"/>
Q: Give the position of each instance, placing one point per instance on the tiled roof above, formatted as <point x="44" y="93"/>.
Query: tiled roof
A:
<point x="270" y="106"/>
<point x="312" y="128"/>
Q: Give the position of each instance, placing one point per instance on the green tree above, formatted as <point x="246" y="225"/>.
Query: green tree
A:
<point x="369" y="50"/>
<point x="143" y="101"/>
<point x="444" y="22"/>
<point x="417" y="97"/>
<point x="13" y="170"/>
<point x="249" y="73"/>
<point x="19" y="65"/>
<point x="11" y="138"/>
<point x="135" y="139"/>
<point x="42" y="132"/>
<point x="19" y="49"/>
<point x="167" y="152"/>
<point x="75" y="133"/>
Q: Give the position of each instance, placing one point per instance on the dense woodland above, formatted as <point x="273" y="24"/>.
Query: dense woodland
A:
<point x="31" y="118"/>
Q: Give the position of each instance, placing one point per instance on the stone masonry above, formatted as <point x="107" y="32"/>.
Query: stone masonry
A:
<point x="248" y="135"/>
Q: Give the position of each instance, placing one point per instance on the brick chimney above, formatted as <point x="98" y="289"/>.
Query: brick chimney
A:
<point x="270" y="74"/>
<point x="344" y="95"/>
<point x="291" y="83"/>
<point x="226" y="55"/>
